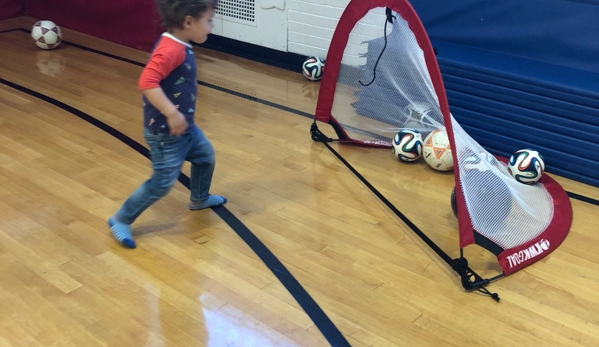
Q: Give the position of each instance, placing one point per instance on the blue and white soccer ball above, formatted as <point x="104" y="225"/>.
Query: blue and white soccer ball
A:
<point x="407" y="145"/>
<point x="313" y="67"/>
<point x="526" y="166"/>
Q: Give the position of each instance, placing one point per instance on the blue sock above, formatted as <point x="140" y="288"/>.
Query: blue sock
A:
<point x="213" y="200"/>
<point x="121" y="232"/>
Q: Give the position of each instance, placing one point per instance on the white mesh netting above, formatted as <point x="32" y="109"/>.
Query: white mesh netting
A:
<point x="400" y="94"/>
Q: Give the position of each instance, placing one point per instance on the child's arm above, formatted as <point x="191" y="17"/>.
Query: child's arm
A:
<point x="167" y="56"/>
<point x="175" y="119"/>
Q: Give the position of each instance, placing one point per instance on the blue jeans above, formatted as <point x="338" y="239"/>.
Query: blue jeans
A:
<point x="168" y="153"/>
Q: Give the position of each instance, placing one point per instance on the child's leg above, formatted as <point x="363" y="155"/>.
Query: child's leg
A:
<point x="168" y="154"/>
<point x="203" y="162"/>
<point x="148" y="193"/>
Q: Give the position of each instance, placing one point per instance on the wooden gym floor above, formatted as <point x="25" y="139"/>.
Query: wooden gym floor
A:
<point x="194" y="280"/>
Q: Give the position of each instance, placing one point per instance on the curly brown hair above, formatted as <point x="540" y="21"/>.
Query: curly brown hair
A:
<point x="173" y="12"/>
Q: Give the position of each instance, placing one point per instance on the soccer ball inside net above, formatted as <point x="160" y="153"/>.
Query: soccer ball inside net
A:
<point x="313" y="68"/>
<point x="437" y="151"/>
<point x="526" y="166"/>
<point x="407" y="145"/>
<point x="46" y="34"/>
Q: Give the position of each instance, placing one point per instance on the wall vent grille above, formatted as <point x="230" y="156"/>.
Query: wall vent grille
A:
<point x="243" y="10"/>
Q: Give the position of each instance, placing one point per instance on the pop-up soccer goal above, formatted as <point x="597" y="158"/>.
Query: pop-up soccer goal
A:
<point x="382" y="75"/>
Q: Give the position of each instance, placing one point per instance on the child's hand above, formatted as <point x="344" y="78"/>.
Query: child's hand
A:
<point x="177" y="123"/>
<point x="175" y="119"/>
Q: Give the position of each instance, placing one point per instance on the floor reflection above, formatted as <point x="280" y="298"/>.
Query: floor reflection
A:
<point x="232" y="328"/>
<point x="50" y="63"/>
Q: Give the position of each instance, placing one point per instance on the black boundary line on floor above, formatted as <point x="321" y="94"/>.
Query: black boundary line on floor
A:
<point x="251" y="98"/>
<point x="316" y="314"/>
<point x="269" y="56"/>
<point x="248" y="97"/>
<point x="225" y="213"/>
<point x="583" y="198"/>
<point x="11" y="30"/>
<point x="202" y="83"/>
<point x="303" y="298"/>
<point x="401" y="216"/>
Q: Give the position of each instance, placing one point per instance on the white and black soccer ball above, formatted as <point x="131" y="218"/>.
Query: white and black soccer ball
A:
<point x="526" y="166"/>
<point x="313" y="67"/>
<point x="46" y="34"/>
<point x="407" y="145"/>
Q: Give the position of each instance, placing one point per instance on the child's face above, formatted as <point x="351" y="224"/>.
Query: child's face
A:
<point x="200" y="28"/>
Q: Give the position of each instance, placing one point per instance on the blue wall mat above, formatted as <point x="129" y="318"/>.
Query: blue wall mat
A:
<point x="518" y="74"/>
<point x="506" y="103"/>
<point x="523" y="74"/>
<point x="560" y="32"/>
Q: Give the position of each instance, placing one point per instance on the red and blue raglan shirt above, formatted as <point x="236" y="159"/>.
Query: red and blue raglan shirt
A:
<point x="172" y="66"/>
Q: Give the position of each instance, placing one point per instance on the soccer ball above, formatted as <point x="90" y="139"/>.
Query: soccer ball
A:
<point x="407" y="145"/>
<point x="46" y="34"/>
<point x="313" y="68"/>
<point x="526" y="166"/>
<point x="437" y="151"/>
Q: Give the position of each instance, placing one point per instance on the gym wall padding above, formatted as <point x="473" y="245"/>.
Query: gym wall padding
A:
<point x="11" y="8"/>
<point x="133" y="23"/>
<point x="559" y="32"/>
<point x="523" y="75"/>
<point x="508" y="103"/>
